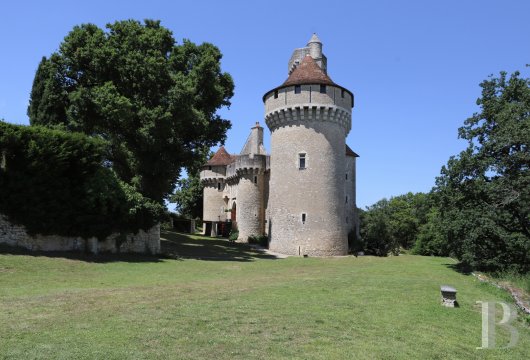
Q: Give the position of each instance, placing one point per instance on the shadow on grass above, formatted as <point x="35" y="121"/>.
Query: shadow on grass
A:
<point x="179" y="245"/>
<point x="174" y="246"/>
<point x="461" y="268"/>
<point x="82" y="256"/>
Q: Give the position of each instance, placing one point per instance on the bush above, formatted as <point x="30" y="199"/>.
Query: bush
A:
<point x="355" y="243"/>
<point x="261" y="240"/>
<point x="234" y="234"/>
<point x="54" y="182"/>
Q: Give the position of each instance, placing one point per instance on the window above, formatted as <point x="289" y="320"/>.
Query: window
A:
<point x="346" y="199"/>
<point x="342" y="93"/>
<point x="303" y="218"/>
<point x="346" y="176"/>
<point x="255" y="179"/>
<point x="275" y="94"/>
<point x="209" y="168"/>
<point x="322" y="89"/>
<point x="218" y="186"/>
<point x="301" y="161"/>
<point x="297" y="89"/>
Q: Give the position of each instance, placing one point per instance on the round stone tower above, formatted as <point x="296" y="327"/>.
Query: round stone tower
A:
<point x="309" y="117"/>
<point x="250" y="167"/>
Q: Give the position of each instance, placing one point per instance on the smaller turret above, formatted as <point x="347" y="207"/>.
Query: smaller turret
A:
<point x="315" y="47"/>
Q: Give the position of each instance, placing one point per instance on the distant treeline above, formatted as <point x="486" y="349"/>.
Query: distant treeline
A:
<point x="479" y="209"/>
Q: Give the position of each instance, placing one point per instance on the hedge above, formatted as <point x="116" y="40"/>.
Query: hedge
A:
<point x="57" y="182"/>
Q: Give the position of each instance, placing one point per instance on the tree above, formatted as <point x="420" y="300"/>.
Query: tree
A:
<point x="376" y="231"/>
<point x="484" y="192"/>
<point x="155" y="102"/>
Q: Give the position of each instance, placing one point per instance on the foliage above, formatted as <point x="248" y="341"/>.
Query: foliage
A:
<point x="375" y="230"/>
<point x="189" y="193"/>
<point x="432" y="238"/>
<point x="155" y="102"/>
<point x="390" y="224"/>
<point x="355" y="243"/>
<point x="234" y="234"/>
<point x="484" y="192"/>
<point x="261" y="240"/>
<point x="53" y="182"/>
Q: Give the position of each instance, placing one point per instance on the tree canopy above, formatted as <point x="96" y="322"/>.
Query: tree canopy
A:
<point x="479" y="210"/>
<point x="154" y="101"/>
<point x="484" y="192"/>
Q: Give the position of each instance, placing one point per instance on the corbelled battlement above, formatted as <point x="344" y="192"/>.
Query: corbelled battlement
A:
<point x="309" y="112"/>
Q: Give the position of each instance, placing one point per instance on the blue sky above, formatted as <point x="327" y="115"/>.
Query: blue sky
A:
<point x="414" y="66"/>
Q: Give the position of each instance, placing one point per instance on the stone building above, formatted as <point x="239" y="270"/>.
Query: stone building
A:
<point x="302" y="195"/>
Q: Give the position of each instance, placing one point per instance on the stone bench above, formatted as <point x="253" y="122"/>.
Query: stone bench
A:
<point x="448" y="296"/>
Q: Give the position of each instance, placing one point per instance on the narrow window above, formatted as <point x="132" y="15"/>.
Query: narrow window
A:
<point x="303" y="218"/>
<point x="346" y="176"/>
<point x="301" y="161"/>
<point x="346" y="199"/>
<point x="342" y="93"/>
<point x="347" y="220"/>
<point x="297" y="89"/>
<point x="275" y="94"/>
<point x="218" y="186"/>
<point x="322" y="89"/>
<point x="255" y="179"/>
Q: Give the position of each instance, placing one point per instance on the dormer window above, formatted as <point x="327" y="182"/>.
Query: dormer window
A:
<point x="322" y="89"/>
<point x="297" y="89"/>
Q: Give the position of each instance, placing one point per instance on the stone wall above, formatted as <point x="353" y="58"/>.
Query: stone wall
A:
<point x="316" y="191"/>
<point x="15" y="235"/>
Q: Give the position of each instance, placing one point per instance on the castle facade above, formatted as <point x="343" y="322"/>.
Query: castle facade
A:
<point x="302" y="195"/>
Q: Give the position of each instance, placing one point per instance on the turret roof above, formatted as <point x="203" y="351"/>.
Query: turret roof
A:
<point x="314" y="39"/>
<point x="308" y="72"/>
<point x="350" y="152"/>
<point x="221" y="158"/>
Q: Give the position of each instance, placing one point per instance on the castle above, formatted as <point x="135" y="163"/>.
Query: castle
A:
<point x="302" y="195"/>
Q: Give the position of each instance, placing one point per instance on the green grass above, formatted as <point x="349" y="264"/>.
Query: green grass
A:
<point x="213" y="299"/>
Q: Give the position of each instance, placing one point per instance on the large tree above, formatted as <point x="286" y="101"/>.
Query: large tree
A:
<point x="154" y="101"/>
<point x="484" y="192"/>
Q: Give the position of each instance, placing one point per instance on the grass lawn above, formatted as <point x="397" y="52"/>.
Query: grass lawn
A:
<point x="221" y="301"/>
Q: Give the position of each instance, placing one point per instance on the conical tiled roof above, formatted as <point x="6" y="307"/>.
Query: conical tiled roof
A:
<point x="221" y="158"/>
<point x="308" y="72"/>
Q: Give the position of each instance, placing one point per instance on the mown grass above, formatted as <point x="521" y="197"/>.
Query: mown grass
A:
<point x="213" y="299"/>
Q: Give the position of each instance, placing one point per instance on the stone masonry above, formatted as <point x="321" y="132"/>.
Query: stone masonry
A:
<point x="16" y="235"/>
<point x="302" y="195"/>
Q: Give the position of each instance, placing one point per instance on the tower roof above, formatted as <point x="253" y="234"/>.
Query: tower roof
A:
<point x="314" y="39"/>
<point x="221" y="158"/>
<point x="308" y="72"/>
<point x="350" y="152"/>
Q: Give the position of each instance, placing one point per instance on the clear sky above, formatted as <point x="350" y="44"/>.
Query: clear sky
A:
<point x="414" y="66"/>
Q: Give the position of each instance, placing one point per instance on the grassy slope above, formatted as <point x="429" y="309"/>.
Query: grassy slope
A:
<point x="239" y="304"/>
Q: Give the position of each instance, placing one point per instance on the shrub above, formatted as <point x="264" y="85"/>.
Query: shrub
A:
<point x="355" y="243"/>
<point x="234" y="234"/>
<point x="261" y="240"/>
<point x="54" y="182"/>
